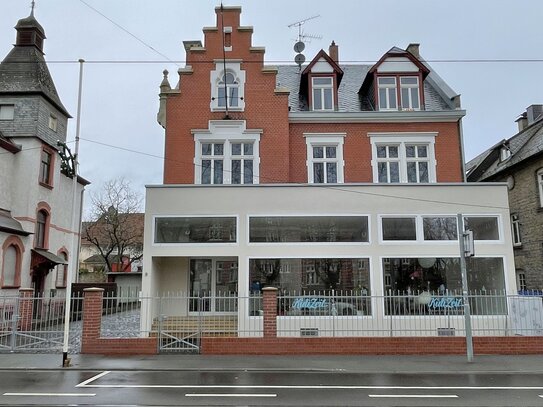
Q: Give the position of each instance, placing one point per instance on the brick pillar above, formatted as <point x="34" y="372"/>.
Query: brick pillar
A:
<point x="26" y="309"/>
<point x="270" y="311"/>
<point x="92" y="314"/>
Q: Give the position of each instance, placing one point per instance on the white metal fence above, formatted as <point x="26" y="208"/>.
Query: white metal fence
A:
<point x="180" y="321"/>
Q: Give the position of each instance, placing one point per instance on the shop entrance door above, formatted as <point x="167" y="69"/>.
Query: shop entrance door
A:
<point x="213" y="285"/>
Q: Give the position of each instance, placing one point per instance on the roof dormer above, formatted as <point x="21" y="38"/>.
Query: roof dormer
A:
<point x="321" y="79"/>
<point x="396" y="81"/>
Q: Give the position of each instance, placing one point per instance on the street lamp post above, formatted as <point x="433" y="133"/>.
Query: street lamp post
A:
<point x="462" y="235"/>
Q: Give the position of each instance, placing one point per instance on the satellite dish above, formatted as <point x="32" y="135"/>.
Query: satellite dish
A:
<point x="299" y="59"/>
<point x="299" y="46"/>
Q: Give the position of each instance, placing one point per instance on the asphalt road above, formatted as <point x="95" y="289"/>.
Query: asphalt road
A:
<point x="277" y="388"/>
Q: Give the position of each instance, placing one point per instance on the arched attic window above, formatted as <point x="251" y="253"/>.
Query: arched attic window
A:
<point x="228" y="90"/>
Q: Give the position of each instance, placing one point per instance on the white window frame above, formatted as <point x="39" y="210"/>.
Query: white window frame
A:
<point x="389" y="88"/>
<point x="411" y="89"/>
<point x="515" y="230"/>
<point x="401" y="140"/>
<point x="216" y="76"/>
<point x="540" y="186"/>
<point x="325" y="140"/>
<point x="227" y="132"/>
<point x="7" y="111"/>
<point x="521" y="280"/>
<point x="322" y="88"/>
<point x="196" y="215"/>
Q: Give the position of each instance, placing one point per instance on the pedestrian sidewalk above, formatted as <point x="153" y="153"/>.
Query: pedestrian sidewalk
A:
<point x="348" y="364"/>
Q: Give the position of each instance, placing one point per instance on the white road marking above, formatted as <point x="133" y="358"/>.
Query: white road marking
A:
<point x="228" y="395"/>
<point x="541" y="395"/>
<point x="52" y="394"/>
<point x="305" y="387"/>
<point x="413" y="396"/>
<point x="93" y="378"/>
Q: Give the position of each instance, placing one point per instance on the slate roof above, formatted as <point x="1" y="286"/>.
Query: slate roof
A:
<point x="349" y="98"/>
<point x="24" y="71"/>
<point x="524" y="145"/>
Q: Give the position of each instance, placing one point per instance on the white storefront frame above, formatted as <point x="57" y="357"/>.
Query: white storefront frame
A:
<point x="321" y="200"/>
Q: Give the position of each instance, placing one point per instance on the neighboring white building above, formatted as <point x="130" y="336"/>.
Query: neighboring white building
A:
<point x="36" y="186"/>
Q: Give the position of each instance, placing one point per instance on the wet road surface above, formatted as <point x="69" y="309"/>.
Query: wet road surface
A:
<point x="277" y="388"/>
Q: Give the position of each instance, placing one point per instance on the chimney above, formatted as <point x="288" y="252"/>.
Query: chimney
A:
<point x="522" y="122"/>
<point x="413" y="49"/>
<point x="333" y="51"/>
<point x="533" y="113"/>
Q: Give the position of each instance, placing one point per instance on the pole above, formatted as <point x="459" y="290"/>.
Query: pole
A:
<point x="467" y="311"/>
<point x="72" y="266"/>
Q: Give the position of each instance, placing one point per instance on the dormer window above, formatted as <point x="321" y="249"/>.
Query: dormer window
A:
<point x="227" y="87"/>
<point x="392" y="89"/>
<point x="505" y="153"/>
<point x="409" y="90"/>
<point x="323" y="93"/>
<point x="387" y="93"/>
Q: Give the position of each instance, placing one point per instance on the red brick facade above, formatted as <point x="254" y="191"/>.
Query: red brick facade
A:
<point x="513" y="345"/>
<point x="283" y="152"/>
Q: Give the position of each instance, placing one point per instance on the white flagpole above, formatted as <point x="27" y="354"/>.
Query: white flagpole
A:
<point x="72" y="263"/>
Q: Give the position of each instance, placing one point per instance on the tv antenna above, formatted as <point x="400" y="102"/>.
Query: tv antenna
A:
<point x="299" y="46"/>
<point x="301" y="35"/>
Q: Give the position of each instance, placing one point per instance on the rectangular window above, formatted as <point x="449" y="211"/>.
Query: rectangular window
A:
<point x="325" y="164"/>
<point x="399" y="157"/>
<point x="515" y="229"/>
<point x="195" y="230"/>
<point x="308" y="284"/>
<point x="53" y="123"/>
<point x="242" y="163"/>
<point x="212" y="163"/>
<point x="308" y="229"/>
<point x="433" y="286"/>
<point x="324" y="158"/>
<point x="387" y="93"/>
<point x="521" y="281"/>
<point x="323" y="93"/>
<point x="409" y="90"/>
<point x="45" y="167"/>
<point x="399" y="228"/>
<point x="7" y="112"/>
<point x="483" y="227"/>
<point x="388" y="163"/>
<point x="440" y="228"/>
<point x="417" y="163"/>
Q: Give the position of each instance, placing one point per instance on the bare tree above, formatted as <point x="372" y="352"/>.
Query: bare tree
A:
<point x="115" y="228"/>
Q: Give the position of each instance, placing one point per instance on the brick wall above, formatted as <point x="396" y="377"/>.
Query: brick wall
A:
<point x="92" y="343"/>
<point x="371" y="346"/>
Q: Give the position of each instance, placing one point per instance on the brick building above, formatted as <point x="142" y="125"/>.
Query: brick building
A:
<point x="35" y="188"/>
<point x="319" y="177"/>
<point x="518" y="161"/>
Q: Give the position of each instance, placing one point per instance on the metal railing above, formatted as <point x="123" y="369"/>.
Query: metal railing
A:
<point x="415" y="314"/>
<point x="36" y="324"/>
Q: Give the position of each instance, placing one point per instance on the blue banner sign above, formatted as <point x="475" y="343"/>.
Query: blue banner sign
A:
<point x="446" y="302"/>
<point x="309" y="303"/>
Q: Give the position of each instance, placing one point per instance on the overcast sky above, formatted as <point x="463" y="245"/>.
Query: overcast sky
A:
<point x="120" y="100"/>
